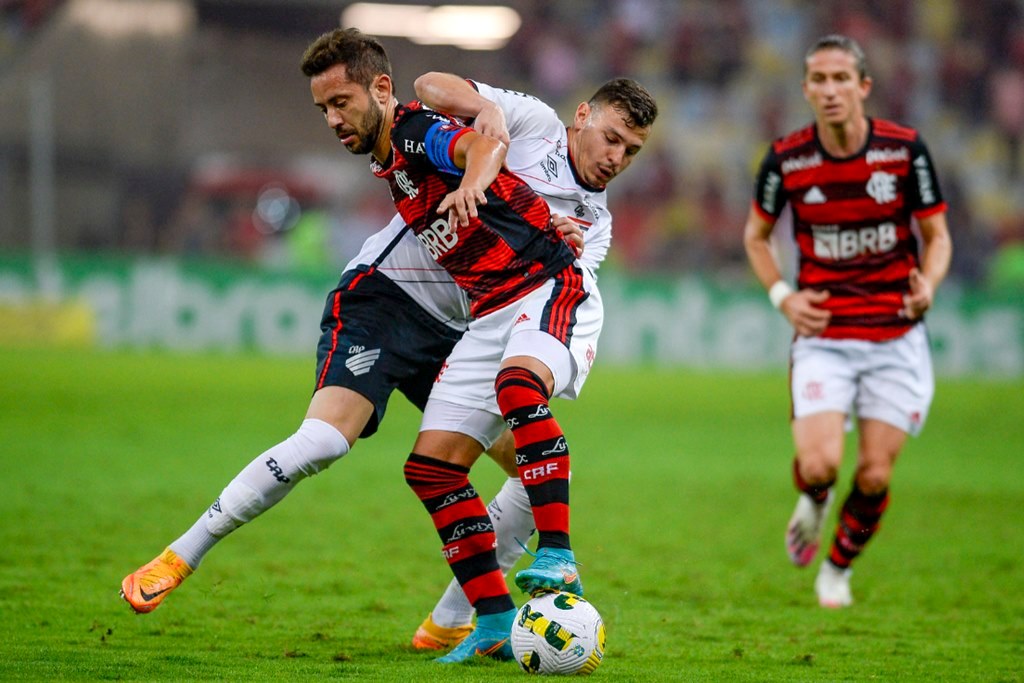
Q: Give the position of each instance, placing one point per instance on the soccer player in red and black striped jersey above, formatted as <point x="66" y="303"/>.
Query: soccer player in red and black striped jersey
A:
<point x="537" y="316"/>
<point x="855" y="186"/>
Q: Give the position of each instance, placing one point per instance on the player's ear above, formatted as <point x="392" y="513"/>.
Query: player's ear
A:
<point x="582" y="114"/>
<point x="380" y="89"/>
<point x="865" y="86"/>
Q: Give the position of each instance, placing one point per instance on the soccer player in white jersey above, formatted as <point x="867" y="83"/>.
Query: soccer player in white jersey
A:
<point x="569" y="167"/>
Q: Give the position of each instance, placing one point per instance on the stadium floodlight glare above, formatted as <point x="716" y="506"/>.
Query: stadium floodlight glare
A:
<point x="122" y="18"/>
<point x="471" y="27"/>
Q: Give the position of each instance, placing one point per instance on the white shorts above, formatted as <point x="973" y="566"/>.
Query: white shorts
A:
<point x="890" y="381"/>
<point x="562" y="337"/>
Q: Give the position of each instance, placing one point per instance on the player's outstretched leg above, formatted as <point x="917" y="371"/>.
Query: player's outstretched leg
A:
<point x="259" y="486"/>
<point x="451" y="620"/>
<point x="542" y="458"/>
<point x="145" y="588"/>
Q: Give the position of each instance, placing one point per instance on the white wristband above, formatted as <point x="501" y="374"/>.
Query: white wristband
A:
<point x="779" y="291"/>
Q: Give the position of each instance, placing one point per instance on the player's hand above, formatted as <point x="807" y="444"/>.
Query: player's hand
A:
<point x="572" y="233"/>
<point x="804" y="313"/>
<point x="919" y="299"/>
<point x="491" y="122"/>
<point x="460" y="206"/>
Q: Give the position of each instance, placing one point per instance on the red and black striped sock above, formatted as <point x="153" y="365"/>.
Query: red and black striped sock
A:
<point x="858" y="521"/>
<point x="817" y="492"/>
<point x="465" y="528"/>
<point x="542" y="456"/>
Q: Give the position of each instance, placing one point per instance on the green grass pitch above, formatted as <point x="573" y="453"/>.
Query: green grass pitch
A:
<point x="681" y="492"/>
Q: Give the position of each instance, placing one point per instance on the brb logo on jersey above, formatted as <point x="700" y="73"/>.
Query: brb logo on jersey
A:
<point x="438" y="238"/>
<point x="833" y="244"/>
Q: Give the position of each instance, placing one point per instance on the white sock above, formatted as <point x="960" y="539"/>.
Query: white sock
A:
<point x="261" y="485"/>
<point x="513" y="519"/>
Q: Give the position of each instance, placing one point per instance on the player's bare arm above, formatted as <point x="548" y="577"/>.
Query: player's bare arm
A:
<point x="935" y="258"/>
<point x="801" y="307"/>
<point x="454" y="95"/>
<point x="481" y="157"/>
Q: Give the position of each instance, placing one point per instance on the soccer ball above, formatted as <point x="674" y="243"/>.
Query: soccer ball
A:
<point x="558" y="633"/>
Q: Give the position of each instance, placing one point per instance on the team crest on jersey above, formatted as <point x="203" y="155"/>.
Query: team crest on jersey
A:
<point x="406" y="185"/>
<point x="882" y="187"/>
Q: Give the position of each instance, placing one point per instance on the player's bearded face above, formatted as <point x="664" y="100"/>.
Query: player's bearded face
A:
<point x="604" y="143"/>
<point x="366" y="131"/>
<point x="354" y="116"/>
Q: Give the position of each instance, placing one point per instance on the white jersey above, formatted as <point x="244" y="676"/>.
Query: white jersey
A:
<point x="539" y="154"/>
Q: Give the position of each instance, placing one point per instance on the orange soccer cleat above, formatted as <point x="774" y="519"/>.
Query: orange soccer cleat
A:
<point x="430" y="636"/>
<point x="146" y="587"/>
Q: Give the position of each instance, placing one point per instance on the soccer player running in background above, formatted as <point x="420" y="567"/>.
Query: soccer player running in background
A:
<point x="536" y="318"/>
<point x="860" y="351"/>
<point x="569" y="167"/>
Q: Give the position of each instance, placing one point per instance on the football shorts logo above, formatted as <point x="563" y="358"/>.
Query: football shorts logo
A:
<point x="361" y="363"/>
<point x="814" y="391"/>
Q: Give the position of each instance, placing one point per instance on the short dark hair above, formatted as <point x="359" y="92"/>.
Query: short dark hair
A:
<point x="363" y="56"/>
<point x="836" y="41"/>
<point x="631" y="98"/>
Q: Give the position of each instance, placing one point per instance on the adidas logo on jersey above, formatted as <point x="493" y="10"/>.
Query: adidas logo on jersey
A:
<point x="361" y="363"/>
<point x="814" y="196"/>
<point x="521" y="319"/>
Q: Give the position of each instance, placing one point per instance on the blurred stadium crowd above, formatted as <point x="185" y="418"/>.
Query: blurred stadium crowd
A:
<point x="726" y="73"/>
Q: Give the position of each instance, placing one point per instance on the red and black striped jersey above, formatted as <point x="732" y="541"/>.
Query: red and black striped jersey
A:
<point x="509" y="250"/>
<point x="852" y="221"/>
